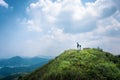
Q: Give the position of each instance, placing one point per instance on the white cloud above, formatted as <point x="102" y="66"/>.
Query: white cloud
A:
<point x="68" y="14"/>
<point x="56" y="13"/>
<point x="108" y="27"/>
<point x="33" y="25"/>
<point x="64" y="22"/>
<point x="3" y="3"/>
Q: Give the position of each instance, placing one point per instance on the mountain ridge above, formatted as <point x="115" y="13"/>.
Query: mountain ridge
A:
<point x="20" y="61"/>
<point x="21" y="65"/>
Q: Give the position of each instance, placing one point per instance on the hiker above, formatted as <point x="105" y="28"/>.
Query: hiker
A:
<point x="78" y="46"/>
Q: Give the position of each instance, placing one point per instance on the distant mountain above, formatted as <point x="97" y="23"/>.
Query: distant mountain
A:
<point x="18" y="61"/>
<point x="14" y="61"/>
<point x="87" y="64"/>
<point x="18" y="64"/>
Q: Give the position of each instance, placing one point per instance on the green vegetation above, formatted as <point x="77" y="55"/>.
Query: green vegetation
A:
<point x="88" y="64"/>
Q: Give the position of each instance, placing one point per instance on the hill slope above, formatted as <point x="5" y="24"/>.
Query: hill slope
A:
<point x="89" y="64"/>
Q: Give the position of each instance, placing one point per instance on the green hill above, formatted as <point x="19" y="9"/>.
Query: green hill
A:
<point x="88" y="64"/>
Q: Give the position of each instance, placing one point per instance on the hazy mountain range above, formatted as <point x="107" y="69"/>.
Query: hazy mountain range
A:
<point x="17" y="65"/>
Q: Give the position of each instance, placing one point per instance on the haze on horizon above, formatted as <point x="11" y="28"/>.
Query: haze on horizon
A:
<point x="48" y="27"/>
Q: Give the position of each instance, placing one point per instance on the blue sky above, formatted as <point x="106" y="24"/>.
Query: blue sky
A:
<point x="48" y="27"/>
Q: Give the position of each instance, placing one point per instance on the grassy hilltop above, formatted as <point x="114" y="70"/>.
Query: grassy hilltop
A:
<point x="89" y="64"/>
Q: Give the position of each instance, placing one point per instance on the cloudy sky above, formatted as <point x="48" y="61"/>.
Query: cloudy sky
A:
<point x="48" y="27"/>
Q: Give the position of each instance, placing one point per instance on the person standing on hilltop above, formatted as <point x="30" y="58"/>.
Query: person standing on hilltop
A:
<point x="78" y="46"/>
